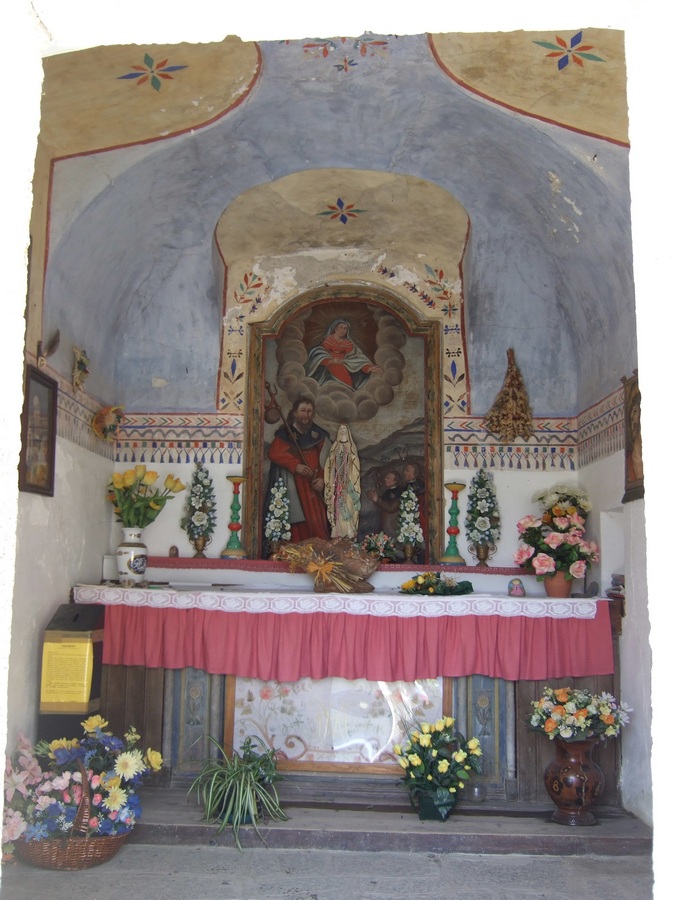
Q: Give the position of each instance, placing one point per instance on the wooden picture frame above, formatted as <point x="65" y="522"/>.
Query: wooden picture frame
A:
<point x="38" y="433"/>
<point x="634" y="477"/>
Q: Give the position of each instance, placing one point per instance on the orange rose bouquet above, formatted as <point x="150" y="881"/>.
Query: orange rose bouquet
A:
<point x="574" y="714"/>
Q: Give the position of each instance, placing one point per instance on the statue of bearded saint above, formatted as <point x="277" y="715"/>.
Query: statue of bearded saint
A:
<point x="342" y="493"/>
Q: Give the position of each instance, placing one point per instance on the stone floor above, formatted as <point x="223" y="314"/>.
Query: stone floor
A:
<point x="324" y="853"/>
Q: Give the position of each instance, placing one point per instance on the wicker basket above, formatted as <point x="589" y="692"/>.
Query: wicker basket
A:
<point x="76" y="851"/>
<point x="70" y="853"/>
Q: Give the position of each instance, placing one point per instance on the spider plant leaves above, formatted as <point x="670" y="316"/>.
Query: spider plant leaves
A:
<point x="237" y="788"/>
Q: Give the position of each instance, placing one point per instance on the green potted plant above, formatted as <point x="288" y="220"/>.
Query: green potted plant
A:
<point x="238" y="788"/>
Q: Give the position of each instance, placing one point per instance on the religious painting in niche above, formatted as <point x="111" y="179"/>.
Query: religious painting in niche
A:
<point x="38" y="433"/>
<point x="344" y="422"/>
<point x="634" y="486"/>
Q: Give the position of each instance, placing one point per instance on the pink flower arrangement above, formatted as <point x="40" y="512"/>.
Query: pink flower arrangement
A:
<point x="555" y="541"/>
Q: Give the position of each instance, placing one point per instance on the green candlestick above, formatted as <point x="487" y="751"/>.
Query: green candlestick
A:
<point x="451" y="556"/>
<point x="234" y="547"/>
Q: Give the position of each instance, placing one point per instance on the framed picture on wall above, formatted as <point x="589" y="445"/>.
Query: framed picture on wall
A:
<point x="38" y="433"/>
<point x="634" y="486"/>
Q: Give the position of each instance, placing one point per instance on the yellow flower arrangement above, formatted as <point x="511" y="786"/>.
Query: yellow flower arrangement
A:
<point x="136" y="504"/>
<point x="435" y="583"/>
<point x="438" y="760"/>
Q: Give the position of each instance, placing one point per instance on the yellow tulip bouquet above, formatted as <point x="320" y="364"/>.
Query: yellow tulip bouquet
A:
<point x="136" y="503"/>
<point x="437" y="761"/>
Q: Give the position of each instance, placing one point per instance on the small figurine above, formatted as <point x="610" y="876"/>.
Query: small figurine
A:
<point x="173" y="551"/>
<point x="516" y="588"/>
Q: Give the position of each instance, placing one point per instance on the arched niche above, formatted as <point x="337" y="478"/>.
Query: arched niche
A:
<point x="394" y="415"/>
<point x="282" y="238"/>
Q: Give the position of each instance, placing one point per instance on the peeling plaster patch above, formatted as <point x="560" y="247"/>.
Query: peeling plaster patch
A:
<point x="556" y="184"/>
<point x="399" y="275"/>
<point x="282" y="282"/>
<point x="159" y="382"/>
<point x="571" y="225"/>
<point x="573" y="205"/>
<point x="328" y="253"/>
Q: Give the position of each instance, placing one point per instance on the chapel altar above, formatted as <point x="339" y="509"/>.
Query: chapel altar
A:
<point x="235" y="648"/>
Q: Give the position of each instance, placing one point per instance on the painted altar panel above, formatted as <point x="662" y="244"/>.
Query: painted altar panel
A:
<point x="366" y="364"/>
<point x="332" y="722"/>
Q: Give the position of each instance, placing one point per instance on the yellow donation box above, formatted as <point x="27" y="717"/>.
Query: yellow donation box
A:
<point x="72" y="654"/>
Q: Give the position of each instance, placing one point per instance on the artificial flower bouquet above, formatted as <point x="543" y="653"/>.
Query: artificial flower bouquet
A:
<point x="277" y="521"/>
<point x="438" y="760"/>
<point x="575" y="714"/>
<point x="199" y="519"/>
<point x="409" y="527"/>
<point x="482" y="520"/>
<point x="555" y="542"/>
<point x="435" y="583"/>
<point x="381" y="545"/>
<point x="136" y="503"/>
<point x="45" y="784"/>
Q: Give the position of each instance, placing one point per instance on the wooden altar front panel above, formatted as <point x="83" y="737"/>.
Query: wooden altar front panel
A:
<point x="134" y="695"/>
<point x="177" y="710"/>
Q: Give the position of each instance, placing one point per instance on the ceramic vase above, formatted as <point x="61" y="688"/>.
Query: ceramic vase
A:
<point x="574" y="781"/>
<point x="557" y="586"/>
<point x="132" y="557"/>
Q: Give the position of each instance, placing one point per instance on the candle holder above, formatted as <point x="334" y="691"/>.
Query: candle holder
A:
<point x="233" y="547"/>
<point x="451" y="556"/>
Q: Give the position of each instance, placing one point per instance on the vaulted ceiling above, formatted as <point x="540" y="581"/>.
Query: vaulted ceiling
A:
<point x="144" y="150"/>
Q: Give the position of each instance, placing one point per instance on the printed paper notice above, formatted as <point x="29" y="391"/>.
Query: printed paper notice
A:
<point x="66" y="673"/>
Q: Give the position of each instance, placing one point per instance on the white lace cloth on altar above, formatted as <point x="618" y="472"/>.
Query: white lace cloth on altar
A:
<point x="377" y="603"/>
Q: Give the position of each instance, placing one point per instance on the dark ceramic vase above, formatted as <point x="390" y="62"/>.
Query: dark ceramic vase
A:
<point x="574" y="781"/>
